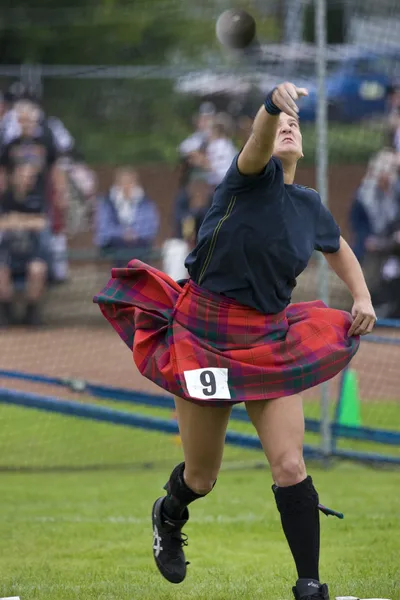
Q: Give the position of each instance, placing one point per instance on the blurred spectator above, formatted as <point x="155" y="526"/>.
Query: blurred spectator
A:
<point x="27" y="162"/>
<point x="376" y="206"/>
<point x="77" y="174"/>
<point x="175" y="251"/>
<point x="212" y="159"/>
<point x="24" y="244"/>
<point x="394" y="116"/>
<point x="32" y="145"/>
<point x="127" y="220"/>
<point x="220" y="150"/>
<point x="81" y="190"/>
<point x="199" y="202"/>
<point x="52" y="126"/>
<point x="386" y="294"/>
<point x="217" y="156"/>
<point x="7" y="116"/>
<point x="196" y="142"/>
<point x="375" y="218"/>
<point x="189" y="151"/>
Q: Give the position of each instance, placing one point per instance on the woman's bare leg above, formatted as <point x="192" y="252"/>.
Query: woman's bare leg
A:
<point x="203" y="430"/>
<point x="280" y="427"/>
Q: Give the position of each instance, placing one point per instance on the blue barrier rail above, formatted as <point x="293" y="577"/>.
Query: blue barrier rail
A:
<point x="169" y="426"/>
<point x="392" y="323"/>
<point x="367" y="434"/>
<point x="109" y="415"/>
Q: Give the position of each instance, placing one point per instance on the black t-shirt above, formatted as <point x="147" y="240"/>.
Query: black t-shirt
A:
<point x="31" y="204"/>
<point x="259" y="236"/>
<point x="33" y="156"/>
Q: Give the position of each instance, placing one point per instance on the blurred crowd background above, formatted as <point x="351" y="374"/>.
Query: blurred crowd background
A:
<point x="118" y="120"/>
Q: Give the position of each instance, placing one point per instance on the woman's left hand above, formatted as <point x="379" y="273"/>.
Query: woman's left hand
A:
<point x="364" y="317"/>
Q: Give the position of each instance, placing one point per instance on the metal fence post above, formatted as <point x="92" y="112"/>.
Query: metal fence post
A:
<point x="322" y="183"/>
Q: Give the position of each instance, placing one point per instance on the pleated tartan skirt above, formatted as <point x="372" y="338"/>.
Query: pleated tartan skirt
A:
<point x="208" y="349"/>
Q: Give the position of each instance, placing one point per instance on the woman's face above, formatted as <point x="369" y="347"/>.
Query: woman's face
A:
<point x="288" y="141"/>
<point x="126" y="181"/>
<point x="28" y="120"/>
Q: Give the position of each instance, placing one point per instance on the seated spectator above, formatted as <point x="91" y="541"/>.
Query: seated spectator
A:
<point x="27" y="163"/>
<point x="51" y="126"/>
<point x="32" y="145"/>
<point x="376" y="205"/>
<point x="24" y="245"/>
<point x="127" y="221"/>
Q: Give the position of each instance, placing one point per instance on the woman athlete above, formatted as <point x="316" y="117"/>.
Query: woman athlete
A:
<point x="230" y="334"/>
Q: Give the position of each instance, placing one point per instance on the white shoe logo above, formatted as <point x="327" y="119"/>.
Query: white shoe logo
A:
<point x="157" y="542"/>
<point x="312" y="584"/>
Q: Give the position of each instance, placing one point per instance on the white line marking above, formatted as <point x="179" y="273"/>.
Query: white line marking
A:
<point x="119" y="520"/>
<point x="128" y="520"/>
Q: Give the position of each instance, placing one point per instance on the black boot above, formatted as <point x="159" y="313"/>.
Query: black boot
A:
<point x="310" y="589"/>
<point x="168" y="543"/>
<point x="169" y="515"/>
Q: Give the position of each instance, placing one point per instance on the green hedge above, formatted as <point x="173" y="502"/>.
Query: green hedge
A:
<point x="106" y="145"/>
<point x="144" y="121"/>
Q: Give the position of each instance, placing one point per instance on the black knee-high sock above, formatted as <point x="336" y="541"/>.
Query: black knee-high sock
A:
<point x="298" y="506"/>
<point x="179" y="495"/>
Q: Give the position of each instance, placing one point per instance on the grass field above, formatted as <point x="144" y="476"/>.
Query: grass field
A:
<point x="68" y="534"/>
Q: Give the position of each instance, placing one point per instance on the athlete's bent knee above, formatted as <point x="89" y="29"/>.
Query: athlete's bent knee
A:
<point x="289" y="470"/>
<point x="200" y="481"/>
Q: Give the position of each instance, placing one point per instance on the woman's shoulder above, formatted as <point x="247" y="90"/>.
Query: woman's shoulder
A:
<point x="236" y="182"/>
<point x="310" y="194"/>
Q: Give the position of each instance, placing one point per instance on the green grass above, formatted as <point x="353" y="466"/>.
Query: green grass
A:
<point x="32" y="438"/>
<point x="69" y="535"/>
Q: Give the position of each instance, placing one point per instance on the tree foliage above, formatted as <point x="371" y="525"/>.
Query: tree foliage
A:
<point x="101" y="32"/>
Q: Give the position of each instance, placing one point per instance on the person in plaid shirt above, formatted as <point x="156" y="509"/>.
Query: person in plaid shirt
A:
<point x="230" y="334"/>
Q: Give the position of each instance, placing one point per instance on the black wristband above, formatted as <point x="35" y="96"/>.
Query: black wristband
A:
<point x="270" y="107"/>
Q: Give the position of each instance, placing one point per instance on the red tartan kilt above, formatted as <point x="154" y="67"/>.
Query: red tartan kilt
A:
<point x="213" y="351"/>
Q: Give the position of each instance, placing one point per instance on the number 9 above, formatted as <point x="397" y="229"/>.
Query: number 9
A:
<point x="207" y="379"/>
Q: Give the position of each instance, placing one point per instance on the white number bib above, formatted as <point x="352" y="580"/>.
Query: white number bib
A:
<point x="208" y="383"/>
